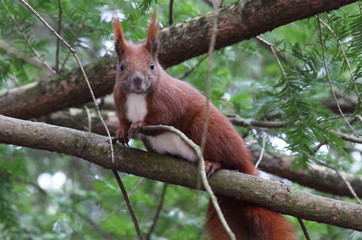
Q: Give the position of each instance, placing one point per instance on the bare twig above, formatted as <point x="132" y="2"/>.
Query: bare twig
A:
<point x="239" y="121"/>
<point x="261" y="152"/>
<point x="209" y="69"/>
<point x="75" y="39"/>
<point x="81" y="67"/>
<point x="341" y="176"/>
<point x="157" y="215"/>
<point x="305" y="231"/>
<point x="221" y="3"/>
<point x="18" y="54"/>
<point x="103" y="233"/>
<point x="206" y="123"/>
<point x="194" y="67"/>
<point x="170" y="13"/>
<point x="344" y="55"/>
<point x="202" y="171"/>
<point x="89" y="118"/>
<point x="329" y="78"/>
<point x="126" y="199"/>
<point x="60" y="33"/>
<point x="115" y="210"/>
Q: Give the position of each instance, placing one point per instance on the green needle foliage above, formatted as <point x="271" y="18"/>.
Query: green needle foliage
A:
<point x="246" y="80"/>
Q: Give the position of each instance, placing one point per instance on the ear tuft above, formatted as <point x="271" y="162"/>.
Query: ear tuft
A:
<point x="118" y="36"/>
<point x="152" y="37"/>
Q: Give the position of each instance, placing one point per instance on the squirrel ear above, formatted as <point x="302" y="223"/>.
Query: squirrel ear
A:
<point x="152" y="38"/>
<point x="118" y="37"/>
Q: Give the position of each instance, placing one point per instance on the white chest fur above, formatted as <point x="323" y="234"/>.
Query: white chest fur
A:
<point x="136" y="107"/>
<point x="172" y="144"/>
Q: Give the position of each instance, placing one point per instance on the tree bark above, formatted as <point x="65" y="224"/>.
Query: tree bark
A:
<point x="237" y="22"/>
<point x="316" y="177"/>
<point x="95" y="148"/>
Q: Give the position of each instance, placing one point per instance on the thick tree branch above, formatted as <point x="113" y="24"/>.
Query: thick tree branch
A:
<point x="316" y="177"/>
<point x="237" y="22"/>
<point x="95" y="148"/>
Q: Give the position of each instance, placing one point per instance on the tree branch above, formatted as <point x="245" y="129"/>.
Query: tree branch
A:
<point x="237" y="22"/>
<point x="239" y="121"/>
<point x="18" y="54"/>
<point x="94" y="148"/>
<point x="315" y="177"/>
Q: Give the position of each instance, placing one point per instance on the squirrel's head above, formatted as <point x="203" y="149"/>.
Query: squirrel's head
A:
<point x="137" y="68"/>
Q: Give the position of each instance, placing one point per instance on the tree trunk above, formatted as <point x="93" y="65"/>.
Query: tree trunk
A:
<point x="237" y="22"/>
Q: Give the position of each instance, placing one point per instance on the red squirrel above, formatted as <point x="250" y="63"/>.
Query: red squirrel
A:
<point x="144" y="94"/>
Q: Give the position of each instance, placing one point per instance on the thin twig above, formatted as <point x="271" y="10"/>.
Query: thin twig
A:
<point x="329" y="78"/>
<point x="354" y="233"/>
<point x="239" y="121"/>
<point x="102" y="232"/>
<point x="170" y="13"/>
<point x="206" y="123"/>
<point x="27" y="41"/>
<point x="265" y="42"/>
<point x="89" y="118"/>
<point x="194" y="67"/>
<point x="157" y="215"/>
<point x="75" y="39"/>
<point x="350" y="188"/>
<point x="79" y="236"/>
<point x="202" y="171"/>
<point x="209" y="69"/>
<point x="60" y="33"/>
<point x="305" y="231"/>
<point x="81" y="67"/>
<point x="261" y="152"/>
<point x="126" y="199"/>
<point x="21" y="55"/>
<point x="221" y="3"/>
<point x="344" y="55"/>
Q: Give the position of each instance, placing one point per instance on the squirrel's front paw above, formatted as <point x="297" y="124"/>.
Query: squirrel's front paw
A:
<point x="211" y="167"/>
<point x="135" y="128"/>
<point x="121" y="136"/>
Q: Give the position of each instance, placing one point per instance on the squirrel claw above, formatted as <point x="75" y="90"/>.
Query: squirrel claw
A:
<point x="211" y="167"/>
<point x="135" y="128"/>
<point x="121" y="137"/>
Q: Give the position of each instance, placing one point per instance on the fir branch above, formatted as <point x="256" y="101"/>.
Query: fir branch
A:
<point x="344" y="55"/>
<point x="80" y="65"/>
<point x="239" y="121"/>
<point x="27" y="41"/>
<point x="329" y="78"/>
<point x="75" y="39"/>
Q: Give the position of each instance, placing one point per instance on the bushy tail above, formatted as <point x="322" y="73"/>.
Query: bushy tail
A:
<point x="248" y="222"/>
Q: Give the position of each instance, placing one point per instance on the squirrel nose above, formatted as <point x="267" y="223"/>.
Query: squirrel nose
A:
<point x="137" y="80"/>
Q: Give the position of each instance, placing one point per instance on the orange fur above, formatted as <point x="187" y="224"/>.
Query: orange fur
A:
<point x="176" y="103"/>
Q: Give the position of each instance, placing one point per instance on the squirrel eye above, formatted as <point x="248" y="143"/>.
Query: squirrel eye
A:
<point x="122" y="67"/>
<point x="152" y="66"/>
